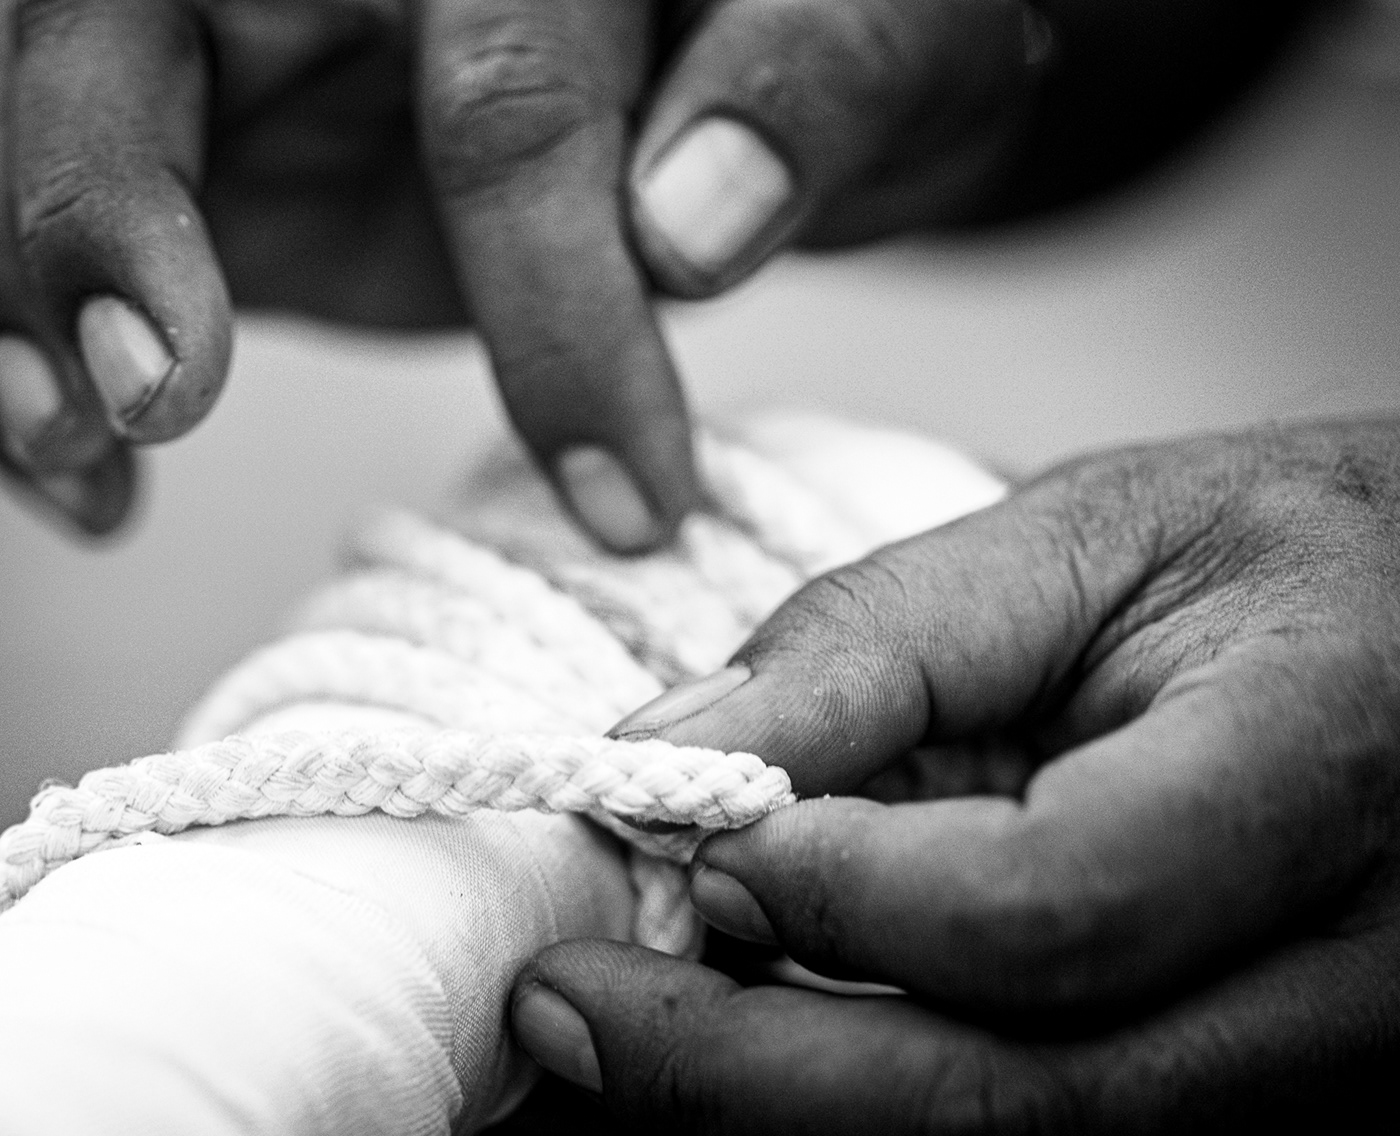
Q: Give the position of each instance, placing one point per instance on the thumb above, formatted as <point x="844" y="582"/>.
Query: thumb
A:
<point x="961" y="632"/>
<point x="771" y="110"/>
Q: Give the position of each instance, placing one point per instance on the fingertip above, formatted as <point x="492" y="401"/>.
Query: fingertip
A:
<point x="776" y="715"/>
<point x="150" y="393"/>
<point x="555" y="1034"/>
<point x="727" y="905"/>
<point x="142" y="301"/>
<point x="682" y="701"/>
<point x="612" y="983"/>
<point x="631" y="488"/>
<point x="44" y="431"/>
<point x="580" y="966"/>
<point x="606" y="499"/>
<point x="828" y="716"/>
<point x="32" y="402"/>
<point x="654" y="438"/>
<point x="109" y="493"/>
<point x="642" y="1010"/>
<point x="126" y="358"/>
<point x="91" y="503"/>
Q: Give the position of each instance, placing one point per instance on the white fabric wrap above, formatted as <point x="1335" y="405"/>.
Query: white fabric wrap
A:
<point x="350" y="976"/>
<point x="331" y="975"/>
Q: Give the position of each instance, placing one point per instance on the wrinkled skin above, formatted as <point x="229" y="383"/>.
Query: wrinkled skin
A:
<point x="1188" y="918"/>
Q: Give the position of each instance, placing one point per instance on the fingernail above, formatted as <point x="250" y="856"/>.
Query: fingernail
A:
<point x="31" y="401"/>
<point x="681" y="702"/>
<point x="713" y="191"/>
<point x="125" y="356"/>
<point x="607" y="500"/>
<point x="728" y="906"/>
<point x="555" y="1034"/>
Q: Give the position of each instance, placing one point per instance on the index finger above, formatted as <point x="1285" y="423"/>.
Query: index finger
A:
<point x="524" y="109"/>
<point x="106" y="151"/>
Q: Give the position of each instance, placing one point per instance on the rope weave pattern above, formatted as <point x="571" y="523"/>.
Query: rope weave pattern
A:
<point x="451" y="772"/>
<point x="554" y="624"/>
<point x="516" y="643"/>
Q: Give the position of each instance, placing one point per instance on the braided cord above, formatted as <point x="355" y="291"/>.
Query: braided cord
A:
<point x="405" y="775"/>
<point x="515" y="649"/>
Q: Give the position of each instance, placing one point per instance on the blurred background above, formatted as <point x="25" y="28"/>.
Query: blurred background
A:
<point x="1254" y="278"/>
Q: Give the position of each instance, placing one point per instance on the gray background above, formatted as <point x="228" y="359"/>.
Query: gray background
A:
<point x="1258" y="278"/>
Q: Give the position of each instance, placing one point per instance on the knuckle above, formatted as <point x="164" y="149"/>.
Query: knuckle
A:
<point x="65" y="194"/>
<point x="494" y="106"/>
<point x="68" y="217"/>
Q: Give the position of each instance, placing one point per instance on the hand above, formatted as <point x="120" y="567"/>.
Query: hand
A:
<point x="1188" y="916"/>
<point x="369" y="160"/>
<point x="407" y="164"/>
<point x="414" y="163"/>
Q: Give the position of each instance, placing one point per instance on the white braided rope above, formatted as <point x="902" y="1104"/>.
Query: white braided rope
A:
<point x="556" y="622"/>
<point x="430" y="614"/>
<point x="405" y="775"/>
<point x="372" y="670"/>
<point x="683" y="611"/>
<point x="789" y="520"/>
<point x="519" y="665"/>
<point x="753" y="580"/>
<point x="635" y="600"/>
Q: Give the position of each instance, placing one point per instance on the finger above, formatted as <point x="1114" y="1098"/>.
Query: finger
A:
<point x="1243" y="789"/>
<point x="671" y="1043"/>
<point x="524" y="108"/>
<point x="107" y="120"/>
<point x="1254" y="789"/>
<point x="675" y="1047"/>
<point x="960" y="633"/>
<point x="95" y="496"/>
<point x="773" y="110"/>
<point x="35" y="415"/>
<point x="93" y="501"/>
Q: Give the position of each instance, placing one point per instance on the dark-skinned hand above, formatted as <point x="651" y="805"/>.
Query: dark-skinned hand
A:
<point x="1186" y="918"/>
<point x="533" y="166"/>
